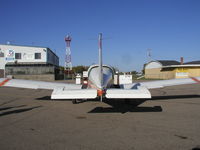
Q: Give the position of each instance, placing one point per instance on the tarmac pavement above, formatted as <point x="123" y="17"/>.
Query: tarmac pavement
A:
<point x="29" y="120"/>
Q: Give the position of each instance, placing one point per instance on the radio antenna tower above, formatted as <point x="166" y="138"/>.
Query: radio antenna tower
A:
<point x="149" y="50"/>
<point x="68" y="60"/>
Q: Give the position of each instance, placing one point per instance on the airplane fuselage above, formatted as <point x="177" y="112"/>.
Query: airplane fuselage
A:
<point x="95" y="80"/>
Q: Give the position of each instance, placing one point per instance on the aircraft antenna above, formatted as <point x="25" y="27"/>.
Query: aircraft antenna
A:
<point x="100" y="59"/>
<point x="100" y="65"/>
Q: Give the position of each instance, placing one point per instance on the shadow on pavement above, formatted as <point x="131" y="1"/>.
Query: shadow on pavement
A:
<point x="126" y="109"/>
<point x="196" y="148"/>
<point x="48" y="98"/>
<point x="124" y="106"/>
<point x="18" y="111"/>
<point x="5" y="108"/>
<point x="171" y="97"/>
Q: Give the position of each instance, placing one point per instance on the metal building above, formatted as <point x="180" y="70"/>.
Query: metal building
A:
<point x="170" y="69"/>
<point x="29" y="62"/>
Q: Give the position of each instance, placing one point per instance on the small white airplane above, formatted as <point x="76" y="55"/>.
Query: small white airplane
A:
<point x="100" y="81"/>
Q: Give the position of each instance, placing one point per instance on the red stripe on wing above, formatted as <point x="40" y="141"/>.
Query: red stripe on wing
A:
<point x="4" y="82"/>
<point x="195" y="79"/>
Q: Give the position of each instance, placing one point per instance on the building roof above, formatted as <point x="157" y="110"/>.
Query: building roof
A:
<point x="193" y="62"/>
<point x="168" y="62"/>
<point x="23" y="45"/>
<point x="182" y="66"/>
<point x="160" y="63"/>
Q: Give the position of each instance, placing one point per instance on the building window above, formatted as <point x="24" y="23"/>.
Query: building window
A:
<point x="37" y="55"/>
<point x="18" y="56"/>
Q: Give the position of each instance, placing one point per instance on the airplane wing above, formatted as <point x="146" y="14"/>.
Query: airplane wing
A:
<point x="141" y="90"/>
<point x="162" y="83"/>
<point x="36" y="84"/>
<point x="72" y="91"/>
<point x="62" y="93"/>
<point x="60" y="90"/>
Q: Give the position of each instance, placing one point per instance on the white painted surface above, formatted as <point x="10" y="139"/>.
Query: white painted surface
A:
<point x="27" y="55"/>
<point x="38" y="84"/>
<point x="125" y="79"/>
<point x="2" y="58"/>
<point x="140" y="92"/>
<point x="153" y="64"/>
<point x="94" y="76"/>
<point x="78" y="79"/>
<point x="72" y="91"/>
<point x="180" y="66"/>
<point x="116" y="79"/>
<point x="182" y="74"/>
<point x="161" y="83"/>
<point x="85" y="74"/>
<point x="74" y="94"/>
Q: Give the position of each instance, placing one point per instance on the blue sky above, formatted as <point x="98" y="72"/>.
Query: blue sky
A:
<point x="171" y="28"/>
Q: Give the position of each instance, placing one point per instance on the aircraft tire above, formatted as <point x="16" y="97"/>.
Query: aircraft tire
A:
<point x="84" y="86"/>
<point x="74" y="101"/>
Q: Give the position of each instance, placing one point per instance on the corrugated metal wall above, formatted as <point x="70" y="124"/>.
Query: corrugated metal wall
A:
<point x="29" y="70"/>
<point x="194" y="72"/>
<point x="156" y="73"/>
<point x="35" y="72"/>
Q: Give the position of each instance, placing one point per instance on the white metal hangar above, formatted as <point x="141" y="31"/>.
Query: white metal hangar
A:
<point x="24" y="60"/>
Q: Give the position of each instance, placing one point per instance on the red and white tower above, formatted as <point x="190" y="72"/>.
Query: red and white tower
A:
<point x="68" y="60"/>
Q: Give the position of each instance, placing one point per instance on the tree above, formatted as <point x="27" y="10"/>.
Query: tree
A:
<point x="79" y="69"/>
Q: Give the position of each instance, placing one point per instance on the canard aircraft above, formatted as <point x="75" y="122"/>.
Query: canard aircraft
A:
<point x="100" y="84"/>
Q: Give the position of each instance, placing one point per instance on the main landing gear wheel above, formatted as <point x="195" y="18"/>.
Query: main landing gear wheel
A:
<point x="74" y="101"/>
